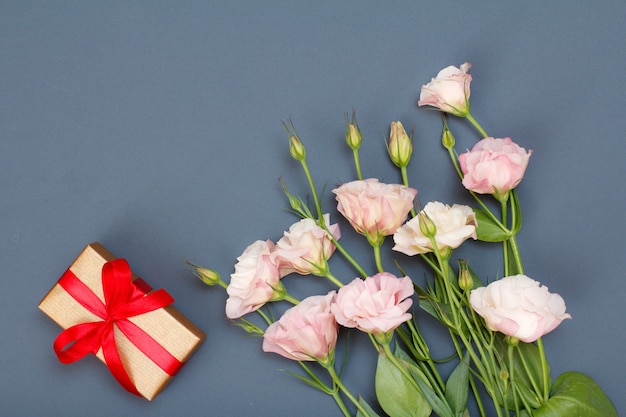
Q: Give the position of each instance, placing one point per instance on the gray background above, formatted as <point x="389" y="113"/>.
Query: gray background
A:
<point x="154" y="128"/>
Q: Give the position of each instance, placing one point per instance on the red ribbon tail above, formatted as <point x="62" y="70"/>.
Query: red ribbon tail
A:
<point x="76" y="342"/>
<point x="114" y="362"/>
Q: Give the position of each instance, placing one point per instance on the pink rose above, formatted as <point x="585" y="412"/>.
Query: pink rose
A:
<point x="494" y="166"/>
<point x="519" y="307"/>
<point x="305" y="332"/>
<point x="374" y="209"/>
<point x="449" y="91"/>
<point x="306" y="248"/>
<point x="453" y="226"/>
<point x="377" y="304"/>
<point x="254" y="282"/>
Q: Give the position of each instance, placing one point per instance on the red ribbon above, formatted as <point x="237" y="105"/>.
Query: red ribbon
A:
<point x="122" y="299"/>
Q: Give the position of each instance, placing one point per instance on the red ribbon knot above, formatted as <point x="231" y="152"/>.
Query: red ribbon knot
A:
<point x="122" y="299"/>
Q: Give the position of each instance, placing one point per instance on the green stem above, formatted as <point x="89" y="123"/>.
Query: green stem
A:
<point x="333" y="279"/>
<point x="342" y="406"/>
<point x="454" y="158"/>
<point x="377" y="257"/>
<point x="479" y="401"/>
<point x="516" y="255"/>
<point x="265" y="317"/>
<point x="332" y="391"/>
<point x="344" y="389"/>
<point x="545" y="370"/>
<point x="290" y="299"/>
<point x="474" y="123"/>
<point x="345" y="253"/>
<point x="515" y="211"/>
<point x="357" y="163"/>
<point x="307" y="172"/>
<point x="505" y="243"/>
<point x="405" y="181"/>
<point x="492" y="216"/>
<point x="430" y="263"/>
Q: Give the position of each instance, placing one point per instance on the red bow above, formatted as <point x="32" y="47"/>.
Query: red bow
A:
<point x="122" y="299"/>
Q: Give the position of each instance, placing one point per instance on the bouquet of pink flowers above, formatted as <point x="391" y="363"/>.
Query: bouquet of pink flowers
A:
<point x="495" y="330"/>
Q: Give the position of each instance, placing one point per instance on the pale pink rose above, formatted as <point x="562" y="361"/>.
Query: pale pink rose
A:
<point x="449" y="91"/>
<point x="254" y="282"/>
<point x="305" y="332"/>
<point x="305" y="248"/>
<point x="454" y="225"/>
<point x="373" y="208"/>
<point x="519" y="307"/>
<point x="377" y="304"/>
<point x="494" y="166"/>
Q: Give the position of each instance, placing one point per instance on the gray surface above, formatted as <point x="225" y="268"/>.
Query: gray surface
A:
<point x="154" y="128"/>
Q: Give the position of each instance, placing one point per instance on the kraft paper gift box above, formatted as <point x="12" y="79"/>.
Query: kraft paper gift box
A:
<point x="171" y="331"/>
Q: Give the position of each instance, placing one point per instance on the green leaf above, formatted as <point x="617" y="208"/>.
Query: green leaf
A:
<point x="396" y="394"/>
<point x="310" y="382"/>
<point x="366" y="406"/>
<point x="576" y="394"/>
<point x="442" y="312"/>
<point x="526" y="370"/>
<point x="487" y="229"/>
<point x="457" y="387"/>
<point x="441" y="408"/>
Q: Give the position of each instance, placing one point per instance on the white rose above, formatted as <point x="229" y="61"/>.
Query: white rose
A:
<point x="454" y="225"/>
<point x="520" y="307"/>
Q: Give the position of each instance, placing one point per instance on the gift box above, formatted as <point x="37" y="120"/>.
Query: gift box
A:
<point x="108" y="311"/>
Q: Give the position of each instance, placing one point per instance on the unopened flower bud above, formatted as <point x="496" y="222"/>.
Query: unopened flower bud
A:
<point x="447" y="138"/>
<point x="353" y="136"/>
<point x="296" y="148"/>
<point x="208" y="276"/>
<point x="466" y="282"/>
<point x="353" y="133"/>
<point x="427" y="226"/>
<point x="400" y="147"/>
<point x="504" y="375"/>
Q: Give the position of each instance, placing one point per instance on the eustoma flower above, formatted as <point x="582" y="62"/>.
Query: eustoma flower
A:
<point x="305" y="332"/>
<point x="494" y="166"/>
<point x="519" y="307"/>
<point x="453" y="226"/>
<point x="305" y="248"/>
<point x="449" y="91"/>
<point x="256" y="280"/>
<point x="374" y="209"/>
<point x="377" y="304"/>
